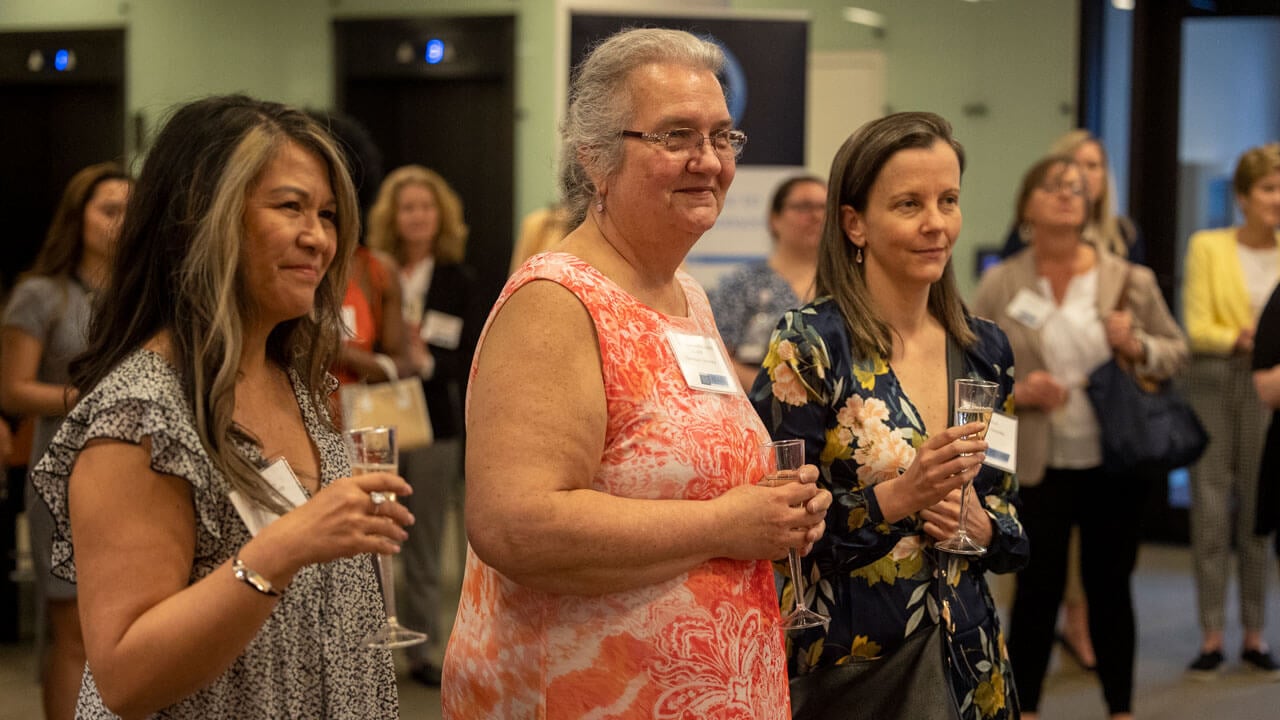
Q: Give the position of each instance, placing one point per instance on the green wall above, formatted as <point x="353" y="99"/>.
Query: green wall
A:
<point x="1015" y="59"/>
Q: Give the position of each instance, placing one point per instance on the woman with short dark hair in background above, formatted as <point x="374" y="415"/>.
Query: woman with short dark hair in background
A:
<point x="202" y="497"/>
<point x="748" y="301"/>
<point x="620" y="536"/>
<point x="1056" y="300"/>
<point x="45" y="325"/>
<point x="1228" y="274"/>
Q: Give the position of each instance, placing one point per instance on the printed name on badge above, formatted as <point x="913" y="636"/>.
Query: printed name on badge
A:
<point x="702" y="363"/>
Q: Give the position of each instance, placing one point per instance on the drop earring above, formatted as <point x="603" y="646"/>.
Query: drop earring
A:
<point x="600" y="205"/>
<point x="858" y="258"/>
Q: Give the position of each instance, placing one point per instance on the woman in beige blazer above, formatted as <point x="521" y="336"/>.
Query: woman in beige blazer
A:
<point x="1056" y="302"/>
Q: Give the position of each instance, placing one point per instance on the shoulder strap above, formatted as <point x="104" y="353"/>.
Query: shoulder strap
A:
<point x="1123" y="299"/>
<point x="955" y="369"/>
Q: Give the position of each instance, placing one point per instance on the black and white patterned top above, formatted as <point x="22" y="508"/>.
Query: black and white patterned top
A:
<point x="306" y="661"/>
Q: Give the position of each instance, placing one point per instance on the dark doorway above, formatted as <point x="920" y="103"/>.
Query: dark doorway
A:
<point x="61" y="108"/>
<point x="455" y="116"/>
<point x="1156" y="193"/>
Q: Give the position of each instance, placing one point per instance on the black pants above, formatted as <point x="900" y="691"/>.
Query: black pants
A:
<point x="1106" y="509"/>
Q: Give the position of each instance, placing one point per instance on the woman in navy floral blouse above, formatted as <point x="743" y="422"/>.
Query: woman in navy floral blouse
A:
<point x="864" y="374"/>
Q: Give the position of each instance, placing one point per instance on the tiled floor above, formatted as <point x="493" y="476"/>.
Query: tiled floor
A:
<point x="1168" y="639"/>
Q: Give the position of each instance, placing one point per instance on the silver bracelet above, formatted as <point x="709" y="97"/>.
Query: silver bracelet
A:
<point x="251" y="578"/>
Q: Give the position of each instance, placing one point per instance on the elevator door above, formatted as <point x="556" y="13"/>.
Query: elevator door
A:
<point x="456" y="117"/>
<point x="52" y="123"/>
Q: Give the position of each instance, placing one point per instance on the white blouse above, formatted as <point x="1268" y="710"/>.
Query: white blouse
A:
<point x="1074" y="341"/>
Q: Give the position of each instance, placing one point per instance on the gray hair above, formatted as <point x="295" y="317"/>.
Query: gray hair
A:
<point x="601" y="106"/>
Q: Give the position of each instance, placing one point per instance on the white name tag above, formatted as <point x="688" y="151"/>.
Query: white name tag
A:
<point x="280" y="476"/>
<point x="1029" y="308"/>
<point x="442" y="330"/>
<point x="1002" y="443"/>
<point x="702" y="363"/>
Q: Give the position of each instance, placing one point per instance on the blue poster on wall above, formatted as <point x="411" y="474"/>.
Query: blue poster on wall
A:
<point x="764" y="78"/>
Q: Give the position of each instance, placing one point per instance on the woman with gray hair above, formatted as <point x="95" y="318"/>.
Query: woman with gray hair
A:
<point x="620" y="537"/>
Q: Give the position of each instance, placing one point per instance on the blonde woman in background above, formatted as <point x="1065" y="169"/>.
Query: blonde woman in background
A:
<point x="539" y="231"/>
<point x="1117" y="234"/>
<point x="1056" y="302"/>
<point x="1106" y="229"/>
<point x="1229" y="274"/>
<point x="417" y="219"/>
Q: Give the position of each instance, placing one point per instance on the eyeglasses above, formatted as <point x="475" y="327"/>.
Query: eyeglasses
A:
<point x="725" y="142"/>
<point x="1071" y="188"/>
<point x="805" y="207"/>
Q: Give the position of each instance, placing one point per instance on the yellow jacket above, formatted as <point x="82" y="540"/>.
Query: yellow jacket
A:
<point x="1215" y="303"/>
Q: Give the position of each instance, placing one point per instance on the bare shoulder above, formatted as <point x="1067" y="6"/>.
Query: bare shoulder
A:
<point x="541" y="315"/>
<point x="537" y="400"/>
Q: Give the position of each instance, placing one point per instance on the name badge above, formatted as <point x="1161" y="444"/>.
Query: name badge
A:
<point x="442" y="330"/>
<point x="280" y="476"/>
<point x="702" y="363"/>
<point x="1029" y="308"/>
<point x="1002" y="443"/>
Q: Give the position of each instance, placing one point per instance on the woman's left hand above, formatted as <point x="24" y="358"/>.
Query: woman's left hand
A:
<point x="942" y="519"/>
<point x="1121" y="338"/>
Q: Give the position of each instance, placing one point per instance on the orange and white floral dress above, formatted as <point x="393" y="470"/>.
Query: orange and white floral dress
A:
<point x="705" y="644"/>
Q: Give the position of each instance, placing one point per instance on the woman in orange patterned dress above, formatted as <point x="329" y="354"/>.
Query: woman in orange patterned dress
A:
<point x="620" y="544"/>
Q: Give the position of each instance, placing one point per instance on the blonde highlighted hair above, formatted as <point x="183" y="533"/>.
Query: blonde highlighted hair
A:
<point x="179" y="270"/>
<point x="1105" y="228"/>
<point x="450" y="244"/>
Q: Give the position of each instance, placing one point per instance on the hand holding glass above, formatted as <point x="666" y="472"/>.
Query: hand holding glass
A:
<point x="373" y="449"/>
<point x="975" y="400"/>
<point x="782" y="460"/>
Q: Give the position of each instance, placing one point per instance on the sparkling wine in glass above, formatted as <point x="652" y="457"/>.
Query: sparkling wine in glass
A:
<point x="782" y="460"/>
<point x="975" y="400"/>
<point x="373" y="449"/>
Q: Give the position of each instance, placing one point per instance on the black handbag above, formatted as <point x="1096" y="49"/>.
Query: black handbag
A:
<point x="1142" y="423"/>
<point x="912" y="683"/>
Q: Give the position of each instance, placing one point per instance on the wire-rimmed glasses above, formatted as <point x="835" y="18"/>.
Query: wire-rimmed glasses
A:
<point x="725" y="142"/>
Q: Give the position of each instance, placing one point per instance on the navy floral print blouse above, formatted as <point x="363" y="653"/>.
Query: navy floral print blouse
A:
<point x="880" y="581"/>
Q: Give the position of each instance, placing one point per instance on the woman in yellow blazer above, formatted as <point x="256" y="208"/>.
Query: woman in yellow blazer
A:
<point x="1228" y="275"/>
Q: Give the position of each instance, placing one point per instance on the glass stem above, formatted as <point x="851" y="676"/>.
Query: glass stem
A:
<point x="387" y="575"/>
<point x="797" y="588"/>
<point x="961" y="530"/>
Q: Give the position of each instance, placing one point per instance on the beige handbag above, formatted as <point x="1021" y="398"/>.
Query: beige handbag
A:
<point x="399" y="403"/>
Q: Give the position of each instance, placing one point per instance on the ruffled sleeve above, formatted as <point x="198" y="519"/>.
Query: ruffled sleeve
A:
<point x="140" y="399"/>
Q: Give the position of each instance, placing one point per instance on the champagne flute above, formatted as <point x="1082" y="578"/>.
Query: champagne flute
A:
<point x="975" y="400"/>
<point x="373" y="449"/>
<point x="782" y="460"/>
